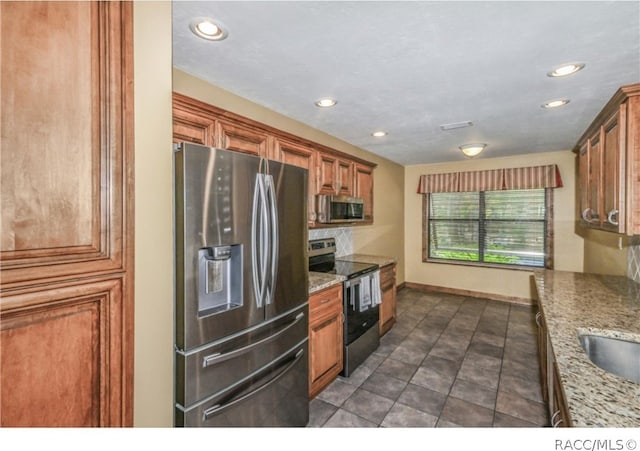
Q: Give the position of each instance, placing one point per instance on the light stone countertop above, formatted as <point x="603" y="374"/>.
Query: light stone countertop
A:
<point x="372" y="259"/>
<point x="319" y="281"/>
<point x="574" y="303"/>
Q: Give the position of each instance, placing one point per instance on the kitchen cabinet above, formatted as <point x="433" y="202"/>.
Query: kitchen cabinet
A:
<point x="388" y="306"/>
<point x="66" y="325"/>
<point x="325" y="338"/>
<point x="609" y="166"/>
<point x="552" y="391"/>
<point x="363" y="187"/>
<point x="330" y="171"/>
<point x="335" y="175"/>
<point x="297" y="154"/>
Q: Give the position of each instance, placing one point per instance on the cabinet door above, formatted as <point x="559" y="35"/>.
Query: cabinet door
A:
<point x="193" y="126"/>
<point x="583" y="182"/>
<point x="364" y="188"/>
<point x="388" y="306"/>
<point x="327" y="174"/>
<point x="299" y="155"/>
<point x="345" y="177"/>
<point x="67" y="137"/>
<point x="594" y="214"/>
<point x="325" y="338"/>
<point x="61" y="357"/>
<point x="66" y="112"/>
<point x="242" y="139"/>
<point x="613" y="175"/>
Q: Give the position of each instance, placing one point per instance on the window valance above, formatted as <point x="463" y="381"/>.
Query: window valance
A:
<point x="534" y="177"/>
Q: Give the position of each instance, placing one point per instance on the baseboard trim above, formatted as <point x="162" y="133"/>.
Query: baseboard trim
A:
<point x="468" y="293"/>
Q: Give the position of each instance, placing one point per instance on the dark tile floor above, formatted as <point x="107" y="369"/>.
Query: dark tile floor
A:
<point x="449" y="361"/>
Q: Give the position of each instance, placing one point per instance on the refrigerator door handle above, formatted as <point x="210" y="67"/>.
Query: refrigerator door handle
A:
<point x="274" y="238"/>
<point x="258" y="238"/>
<point x="217" y="358"/>
<point x="235" y="400"/>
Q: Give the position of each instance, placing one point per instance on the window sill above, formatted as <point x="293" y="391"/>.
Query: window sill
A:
<point x="482" y="265"/>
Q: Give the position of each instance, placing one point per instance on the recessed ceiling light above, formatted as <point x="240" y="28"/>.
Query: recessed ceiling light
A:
<point x="326" y="102"/>
<point x="566" y="69"/>
<point x="379" y="134"/>
<point x="555" y="103"/>
<point x="206" y="28"/>
<point x="471" y="150"/>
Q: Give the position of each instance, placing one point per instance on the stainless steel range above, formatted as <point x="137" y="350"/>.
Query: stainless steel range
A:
<point x="361" y="299"/>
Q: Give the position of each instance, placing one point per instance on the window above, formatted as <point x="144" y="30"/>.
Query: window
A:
<point x="489" y="227"/>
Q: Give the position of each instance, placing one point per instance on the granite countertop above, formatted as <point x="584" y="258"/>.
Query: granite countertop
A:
<point x="321" y="280"/>
<point x="373" y="259"/>
<point x="574" y="303"/>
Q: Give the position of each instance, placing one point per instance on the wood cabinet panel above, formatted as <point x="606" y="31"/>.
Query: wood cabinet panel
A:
<point x="60" y="357"/>
<point x="302" y="156"/>
<point x="363" y="177"/>
<point x="192" y="127"/>
<point x="327" y="174"/>
<point x="66" y="184"/>
<point x="66" y="139"/>
<point x="345" y="178"/>
<point x="242" y="139"/>
<point x="325" y="338"/>
<point x="389" y="298"/>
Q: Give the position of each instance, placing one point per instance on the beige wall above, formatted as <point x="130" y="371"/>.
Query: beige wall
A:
<point x="153" y="372"/>
<point x="512" y="283"/>
<point x="605" y="252"/>
<point x="385" y="236"/>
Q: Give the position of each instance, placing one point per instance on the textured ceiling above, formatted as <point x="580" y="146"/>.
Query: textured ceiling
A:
<point x="408" y="67"/>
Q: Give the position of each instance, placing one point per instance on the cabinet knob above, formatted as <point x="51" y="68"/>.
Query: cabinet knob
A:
<point x="610" y="216"/>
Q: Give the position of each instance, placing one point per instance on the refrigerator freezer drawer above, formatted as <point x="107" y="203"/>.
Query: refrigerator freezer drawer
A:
<point x="211" y="369"/>
<point x="276" y="395"/>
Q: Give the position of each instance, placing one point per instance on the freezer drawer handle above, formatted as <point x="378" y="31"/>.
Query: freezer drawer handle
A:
<point x="219" y="357"/>
<point x="220" y="407"/>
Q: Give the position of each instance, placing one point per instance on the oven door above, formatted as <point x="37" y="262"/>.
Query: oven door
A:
<point x="360" y="315"/>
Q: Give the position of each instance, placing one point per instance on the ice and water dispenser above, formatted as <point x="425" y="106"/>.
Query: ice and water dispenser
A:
<point x="219" y="279"/>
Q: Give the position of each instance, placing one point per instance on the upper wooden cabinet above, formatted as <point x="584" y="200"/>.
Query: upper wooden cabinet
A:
<point x="363" y="187"/>
<point x="335" y="175"/>
<point x="297" y="154"/>
<point x="609" y="166"/>
<point x="330" y="171"/>
<point x="66" y="291"/>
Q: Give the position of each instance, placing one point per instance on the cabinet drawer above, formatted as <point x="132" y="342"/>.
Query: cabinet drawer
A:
<point x="325" y="300"/>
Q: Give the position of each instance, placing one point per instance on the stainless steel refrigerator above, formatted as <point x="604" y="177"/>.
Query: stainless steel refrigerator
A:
<point x="241" y="311"/>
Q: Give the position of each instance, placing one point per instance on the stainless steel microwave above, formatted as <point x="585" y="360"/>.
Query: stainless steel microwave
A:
<point x="336" y="209"/>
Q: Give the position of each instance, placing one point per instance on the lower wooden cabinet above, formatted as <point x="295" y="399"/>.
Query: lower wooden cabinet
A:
<point x="63" y="355"/>
<point x="552" y="392"/>
<point x="325" y="338"/>
<point x="388" y="306"/>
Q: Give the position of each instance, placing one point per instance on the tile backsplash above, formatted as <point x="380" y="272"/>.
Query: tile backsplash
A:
<point x="344" y="241"/>
<point x="633" y="263"/>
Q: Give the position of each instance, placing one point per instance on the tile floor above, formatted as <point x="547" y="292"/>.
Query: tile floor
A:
<point x="449" y="361"/>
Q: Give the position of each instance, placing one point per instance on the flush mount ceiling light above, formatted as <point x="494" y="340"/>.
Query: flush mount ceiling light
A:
<point x="326" y="102"/>
<point x="379" y="134"/>
<point x="566" y="69"/>
<point x="471" y="150"/>
<point x="555" y="103"/>
<point x="206" y="28"/>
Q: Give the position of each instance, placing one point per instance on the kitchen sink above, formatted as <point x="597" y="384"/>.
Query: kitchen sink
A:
<point x="614" y="355"/>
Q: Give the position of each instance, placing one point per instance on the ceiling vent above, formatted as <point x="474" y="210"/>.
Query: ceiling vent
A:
<point x="455" y="125"/>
